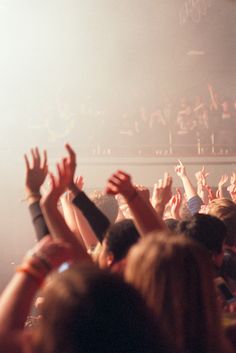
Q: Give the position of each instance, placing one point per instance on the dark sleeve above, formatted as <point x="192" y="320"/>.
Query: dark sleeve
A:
<point x="38" y="220"/>
<point x="96" y="219"/>
<point x="194" y="204"/>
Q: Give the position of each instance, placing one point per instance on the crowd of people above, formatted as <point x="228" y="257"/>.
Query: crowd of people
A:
<point x="124" y="269"/>
<point x="196" y="124"/>
<point x="172" y="125"/>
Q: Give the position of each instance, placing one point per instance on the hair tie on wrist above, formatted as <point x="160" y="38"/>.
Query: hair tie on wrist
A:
<point x="32" y="194"/>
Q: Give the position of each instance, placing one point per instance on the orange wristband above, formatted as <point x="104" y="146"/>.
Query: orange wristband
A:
<point x="32" y="273"/>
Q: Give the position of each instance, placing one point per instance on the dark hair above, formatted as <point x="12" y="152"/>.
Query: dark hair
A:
<point x="107" y="204"/>
<point x="120" y="237"/>
<point x="87" y="310"/>
<point x="172" y="224"/>
<point x="207" y="230"/>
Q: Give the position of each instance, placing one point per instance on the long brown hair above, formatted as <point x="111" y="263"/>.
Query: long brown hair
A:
<point x="91" y="311"/>
<point x="174" y="276"/>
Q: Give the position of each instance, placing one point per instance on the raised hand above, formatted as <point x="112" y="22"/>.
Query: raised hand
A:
<point x="232" y="191"/>
<point x="70" y="164"/>
<point x="175" y="204"/>
<point x="52" y="251"/>
<point x="180" y="169"/>
<point x="201" y="176"/>
<point x="210" y="192"/>
<point x="65" y="174"/>
<point x="79" y="182"/>
<point x="145" y="217"/>
<point x="143" y="191"/>
<point x="233" y="179"/>
<point x="162" y="193"/>
<point x="59" y="183"/>
<point x="219" y="193"/>
<point x="120" y="183"/>
<point x="188" y="187"/>
<point x="36" y="171"/>
<point x="224" y="178"/>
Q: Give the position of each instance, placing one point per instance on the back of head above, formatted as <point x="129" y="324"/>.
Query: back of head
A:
<point x="107" y="204"/>
<point x="205" y="229"/>
<point x="90" y="311"/>
<point x="225" y="209"/>
<point x="120" y="238"/>
<point x="172" y="224"/>
<point x="174" y="275"/>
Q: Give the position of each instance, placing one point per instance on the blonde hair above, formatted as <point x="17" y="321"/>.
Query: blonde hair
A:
<point x="225" y="210"/>
<point x="174" y="276"/>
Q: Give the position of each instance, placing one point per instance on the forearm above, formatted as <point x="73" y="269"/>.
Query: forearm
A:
<point x="219" y="192"/>
<point x="189" y="189"/>
<point x="16" y="300"/>
<point x="96" y="219"/>
<point x="87" y="235"/>
<point x="38" y="220"/>
<point x="69" y="215"/>
<point x="59" y="229"/>
<point x="145" y="216"/>
<point x="160" y="210"/>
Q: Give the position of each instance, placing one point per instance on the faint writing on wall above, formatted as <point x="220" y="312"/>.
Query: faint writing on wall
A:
<point x="194" y="10"/>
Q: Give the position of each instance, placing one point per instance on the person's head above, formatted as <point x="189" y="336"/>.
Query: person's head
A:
<point x="107" y="204"/>
<point x="118" y="240"/>
<point x="209" y="231"/>
<point x="225" y="210"/>
<point x="172" y="224"/>
<point x="225" y="105"/>
<point x="86" y="310"/>
<point x="174" y="275"/>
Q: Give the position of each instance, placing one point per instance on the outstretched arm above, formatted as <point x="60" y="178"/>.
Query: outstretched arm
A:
<point x="189" y="189"/>
<point x="36" y="173"/>
<point x="175" y="204"/>
<point x="56" y="223"/>
<point x="16" y="299"/>
<point x="91" y="222"/>
<point x="78" y="224"/>
<point x="144" y="214"/>
<point x="69" y="215"/>
<point x="202" y="186"/>
<point x="223" y="180"/>
<point x="162" y="194"/>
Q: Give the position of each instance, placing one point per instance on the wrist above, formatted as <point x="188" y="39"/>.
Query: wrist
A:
<point x="74" y="189"/>
<point x="160" y="208"/>
<point x="35" y="266"/>
<point x="29" y="194"/>
<point x="33" y="190"/>
<point x="129" y="197"/>
<point x="49" y="200"/>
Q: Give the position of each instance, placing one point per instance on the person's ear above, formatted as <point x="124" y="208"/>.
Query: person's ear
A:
<point x="218" y="259"/>
<point x="109" y="259"/>
<point x="118" y="267"/>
